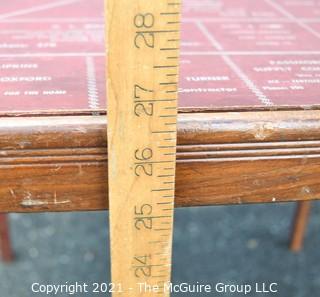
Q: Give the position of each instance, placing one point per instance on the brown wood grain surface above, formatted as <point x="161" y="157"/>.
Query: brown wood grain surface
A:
<point x="300" y="224"/>
<point x="6" y="251"/>
<point x="60" y="163"/>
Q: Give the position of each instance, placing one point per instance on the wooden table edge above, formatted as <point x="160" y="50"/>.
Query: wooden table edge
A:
<point x="58" y="163"/>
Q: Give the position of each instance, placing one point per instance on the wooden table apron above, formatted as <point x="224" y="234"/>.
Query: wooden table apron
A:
<point x="59" y="163"/>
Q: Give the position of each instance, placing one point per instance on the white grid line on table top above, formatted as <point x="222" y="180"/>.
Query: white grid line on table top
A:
<point x="236" y="69"/>
<point x="290" y="16"/>
<point x="184" y="20"/>
<point x="36" y="9"/>
<point x="187" y="53"/>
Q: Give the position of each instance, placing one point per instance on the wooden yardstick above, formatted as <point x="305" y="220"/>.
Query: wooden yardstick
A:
<point x="143" y="66"/>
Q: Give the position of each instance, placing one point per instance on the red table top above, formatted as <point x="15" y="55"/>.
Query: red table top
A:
<point x="234" y="54"/>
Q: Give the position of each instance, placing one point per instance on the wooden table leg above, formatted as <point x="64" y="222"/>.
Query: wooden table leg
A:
<point x="300" y="225"/>
<point x="5" y="242"/>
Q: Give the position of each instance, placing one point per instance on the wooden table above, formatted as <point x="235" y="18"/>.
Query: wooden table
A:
<point x="249" y="122"/>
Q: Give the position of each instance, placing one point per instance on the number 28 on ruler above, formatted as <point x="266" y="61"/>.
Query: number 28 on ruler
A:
<point x="143" y="66"/>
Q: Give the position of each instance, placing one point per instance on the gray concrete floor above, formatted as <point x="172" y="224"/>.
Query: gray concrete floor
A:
<point x="230" y="244"/>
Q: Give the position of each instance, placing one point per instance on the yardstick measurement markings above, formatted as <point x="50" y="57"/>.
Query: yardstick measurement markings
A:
<point x="143" y="52"/>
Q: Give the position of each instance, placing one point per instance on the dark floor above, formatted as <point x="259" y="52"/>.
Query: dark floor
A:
<point x="234" y="244"/>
